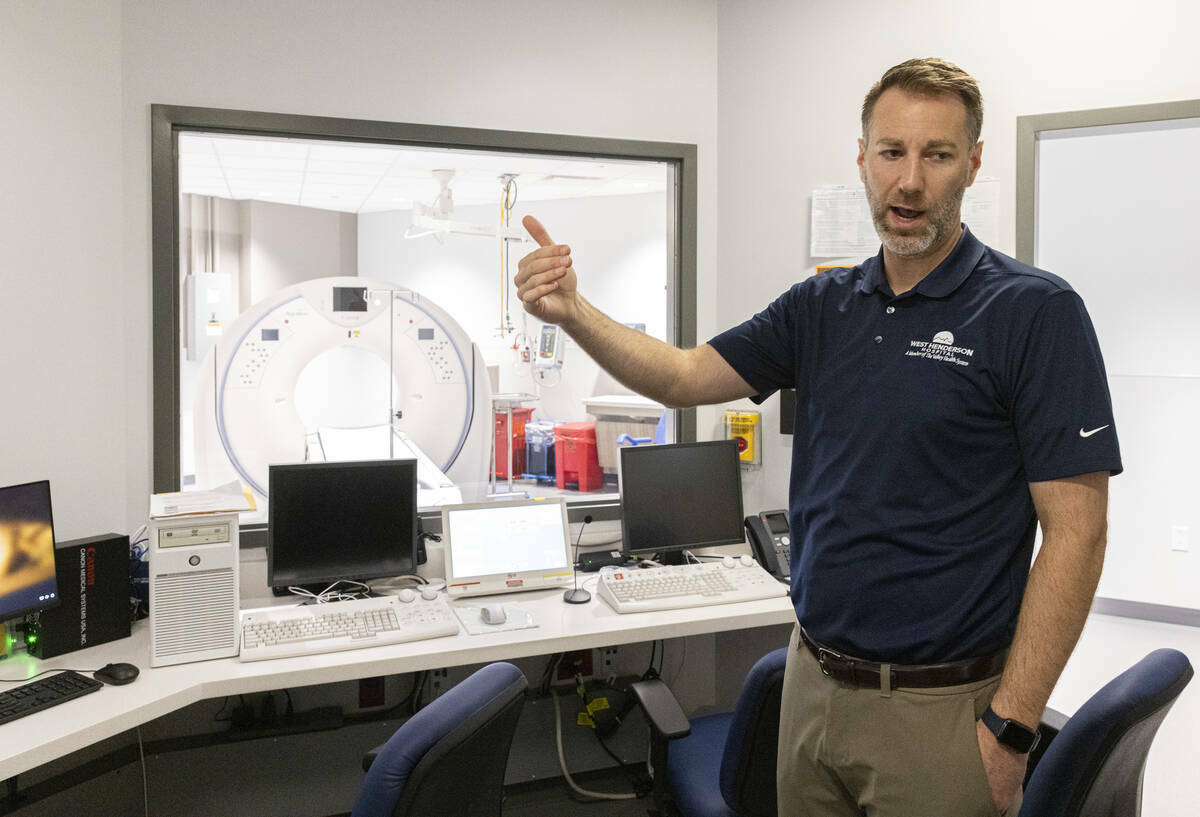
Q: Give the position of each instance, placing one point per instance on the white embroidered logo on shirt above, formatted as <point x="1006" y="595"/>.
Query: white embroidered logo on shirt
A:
<point x="1083" y="433"/>
<point x="941" y="348"/>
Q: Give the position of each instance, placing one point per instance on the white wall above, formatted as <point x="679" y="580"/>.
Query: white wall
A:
<point x="66" y="382"/>
<point x="792" y="80"/>
<point x="288" y="244"/>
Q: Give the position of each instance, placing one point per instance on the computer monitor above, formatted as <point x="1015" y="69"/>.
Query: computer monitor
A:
<point x="680" y="497"/>
<point x="341" y="520"/>
<point x="27" y="578"/>
<point x="504" y="547"/>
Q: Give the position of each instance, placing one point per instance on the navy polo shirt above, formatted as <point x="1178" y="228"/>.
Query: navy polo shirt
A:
<point x="920" y="420"/>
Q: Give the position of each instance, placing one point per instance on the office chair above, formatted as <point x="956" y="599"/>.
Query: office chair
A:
<point x="720" y="765"/>
<point x="1094" y="765"/>
<point x="448" y="759"/>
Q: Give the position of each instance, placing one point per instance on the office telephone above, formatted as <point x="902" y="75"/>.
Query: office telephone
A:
<point x="770" y="539"/>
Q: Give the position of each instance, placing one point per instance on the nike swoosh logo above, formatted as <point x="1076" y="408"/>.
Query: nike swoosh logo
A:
<point x="1083" y="433"/>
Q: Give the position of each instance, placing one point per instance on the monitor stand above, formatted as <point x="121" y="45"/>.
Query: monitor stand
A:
<point x="671" y="557"/>
<point x="311" y="588"/>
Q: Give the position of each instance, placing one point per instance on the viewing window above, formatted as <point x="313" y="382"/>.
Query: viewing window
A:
<point x="340" y="298"/>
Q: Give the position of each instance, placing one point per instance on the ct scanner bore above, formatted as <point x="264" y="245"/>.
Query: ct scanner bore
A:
<point x="437" y="395"/>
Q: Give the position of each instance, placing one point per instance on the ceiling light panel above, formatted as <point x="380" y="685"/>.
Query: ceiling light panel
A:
<point x="353" y="177"/>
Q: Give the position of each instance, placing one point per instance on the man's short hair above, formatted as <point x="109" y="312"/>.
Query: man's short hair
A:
<point x="930" y="76"/>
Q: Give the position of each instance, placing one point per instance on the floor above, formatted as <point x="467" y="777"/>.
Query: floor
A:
<point x="552" y="797"/>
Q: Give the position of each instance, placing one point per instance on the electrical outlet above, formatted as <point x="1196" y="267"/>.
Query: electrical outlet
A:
<point x="608" y="660"/>
<point x="438" y="682"/>
<point x="1179" y="538"/>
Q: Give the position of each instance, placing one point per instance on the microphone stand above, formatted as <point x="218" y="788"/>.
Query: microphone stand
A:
<point x="576" y="595"/>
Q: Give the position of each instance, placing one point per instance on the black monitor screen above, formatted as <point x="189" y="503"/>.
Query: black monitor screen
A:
<point x="349" y="299"/>
<point x="27" y="580"/>
<point x="682" y="496"/>
<point x="341" y="520"/>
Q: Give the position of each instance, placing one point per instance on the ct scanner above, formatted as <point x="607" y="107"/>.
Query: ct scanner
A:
<point x="430" y="394"/>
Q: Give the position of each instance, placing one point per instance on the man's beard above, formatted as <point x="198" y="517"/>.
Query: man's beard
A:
<point x="941" y="218"/>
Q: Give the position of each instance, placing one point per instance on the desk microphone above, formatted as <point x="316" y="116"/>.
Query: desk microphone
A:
<point x="577" y="596"/>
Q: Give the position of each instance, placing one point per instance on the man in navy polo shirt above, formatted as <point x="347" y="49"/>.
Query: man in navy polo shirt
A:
<point x="948" y="399"/>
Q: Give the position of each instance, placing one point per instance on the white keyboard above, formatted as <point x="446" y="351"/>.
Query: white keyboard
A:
<point x="284" y="632"/>
<point x="637" y="590"/>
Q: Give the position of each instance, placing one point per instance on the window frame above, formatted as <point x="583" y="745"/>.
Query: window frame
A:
<point x="168" y="121"/>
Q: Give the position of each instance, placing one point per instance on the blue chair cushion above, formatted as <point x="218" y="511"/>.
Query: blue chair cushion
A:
<point x="694" y="767"/>
<point x="386" y="778"/>
<point x="747" y="776"/>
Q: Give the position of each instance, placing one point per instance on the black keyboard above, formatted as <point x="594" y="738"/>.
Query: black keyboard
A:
<point x="43" y="694"/>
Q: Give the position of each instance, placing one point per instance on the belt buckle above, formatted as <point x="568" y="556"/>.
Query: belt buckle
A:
<point x="825" y="652"/>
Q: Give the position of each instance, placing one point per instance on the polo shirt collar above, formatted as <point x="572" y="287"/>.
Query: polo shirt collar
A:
<point x="945" y="277"/>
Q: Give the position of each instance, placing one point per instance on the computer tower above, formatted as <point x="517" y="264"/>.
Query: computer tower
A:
<point x="93" y="594"/>
<point x="193" y="588"/>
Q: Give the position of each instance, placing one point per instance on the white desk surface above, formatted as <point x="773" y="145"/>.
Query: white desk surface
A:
<point x="36" y="739"/>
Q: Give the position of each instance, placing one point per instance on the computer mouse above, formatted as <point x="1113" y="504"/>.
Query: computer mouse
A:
<point x="116" y="674"/>
<point x="492" y="614"/>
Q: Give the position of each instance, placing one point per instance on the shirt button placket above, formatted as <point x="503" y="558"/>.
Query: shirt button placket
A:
<point x="890" y="310"/>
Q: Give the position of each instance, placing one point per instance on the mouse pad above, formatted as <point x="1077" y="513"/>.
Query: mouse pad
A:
<point x="515" y="618"/>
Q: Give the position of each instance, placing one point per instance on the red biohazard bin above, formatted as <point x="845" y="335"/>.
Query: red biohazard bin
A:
<point x="575" y="457"/>
<point x="520" y="416"/>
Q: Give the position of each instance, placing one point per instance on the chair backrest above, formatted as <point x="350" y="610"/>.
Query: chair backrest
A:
<point x="1095" y="765"/>
<point x="749" y="761"/>
<point x="449" y="758"/>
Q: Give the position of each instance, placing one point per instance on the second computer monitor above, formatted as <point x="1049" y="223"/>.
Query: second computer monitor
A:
<point x="341" y="520"/>
<point x="505" y="547"/>
<point x="679" y="497"/>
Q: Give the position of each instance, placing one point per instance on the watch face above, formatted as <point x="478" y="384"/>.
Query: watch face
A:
<point x="1017" y="737"/>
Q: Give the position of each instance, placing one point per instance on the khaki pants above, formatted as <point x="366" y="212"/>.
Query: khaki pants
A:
<point x="846" y="751"/>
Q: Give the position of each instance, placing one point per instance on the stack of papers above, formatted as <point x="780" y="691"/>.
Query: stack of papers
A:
<point x="225" y="499"/>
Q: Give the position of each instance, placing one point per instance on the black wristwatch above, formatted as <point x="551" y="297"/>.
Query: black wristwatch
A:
<point x="1016" y="736"/>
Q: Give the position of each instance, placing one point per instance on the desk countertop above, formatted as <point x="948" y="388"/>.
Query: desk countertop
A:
<point x="42" y="737"/>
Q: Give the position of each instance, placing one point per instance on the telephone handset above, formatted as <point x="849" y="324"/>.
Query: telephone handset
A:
<point x="770" y="539"/>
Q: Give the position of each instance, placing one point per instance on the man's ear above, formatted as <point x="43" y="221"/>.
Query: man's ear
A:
<point x="976" y="159"/>
<point x="862" y="157"/>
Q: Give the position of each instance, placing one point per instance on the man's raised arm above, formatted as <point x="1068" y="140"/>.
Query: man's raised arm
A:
<point x="548" y="289"/>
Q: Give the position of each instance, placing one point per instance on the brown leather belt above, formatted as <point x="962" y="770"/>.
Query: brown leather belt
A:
<point x="861" y="673"/>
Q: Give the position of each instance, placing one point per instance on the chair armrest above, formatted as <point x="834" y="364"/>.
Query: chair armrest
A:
<point x="1052" y="723"/>
<point x="661" y="708"/>
<point x="1053" y="719"/>
<point x="370" y="756"/>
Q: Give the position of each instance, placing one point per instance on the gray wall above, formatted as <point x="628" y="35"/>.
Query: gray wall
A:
<point x="68" y="373"/>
